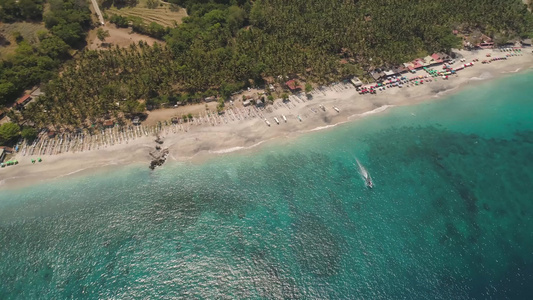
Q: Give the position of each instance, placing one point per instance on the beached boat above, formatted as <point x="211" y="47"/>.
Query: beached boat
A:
<point x="299" y="118"/>
<point x="276" y="119"/>
<point x="322" y="107"/>
<point x="267" y="122"/>
<point x="336" y="109"/>
<point x="284" y="119"/>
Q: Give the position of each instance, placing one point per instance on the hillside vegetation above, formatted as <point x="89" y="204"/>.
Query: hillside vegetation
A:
<point x="36" y="58"/>
<point x="162" y="14"/>
<point x="225" y="45"/>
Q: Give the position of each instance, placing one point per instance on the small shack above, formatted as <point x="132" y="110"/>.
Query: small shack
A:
<point x="400" y="69"/>
<point x="246" y="103"/>
<point x="136" y="121"/>
<point x="109" y="124"/>
<point x="389" y="73"/>
<point x="2" y="154"/>
<point x="22" y="101"/>
<point x="526" y="43"/>
<point x="378" y="76"/>
<point x="357" y="82"/>
<point x="293" y="85"/>
<point x="259" y="102"/>
<point x="210" y="99"/>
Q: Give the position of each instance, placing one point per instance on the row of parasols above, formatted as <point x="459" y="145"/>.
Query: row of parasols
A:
<point x="16" y="162"/>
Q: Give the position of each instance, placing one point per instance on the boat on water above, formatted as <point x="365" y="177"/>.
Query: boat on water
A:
<point x="365" y="175"/>
<point x="369" y="183"/>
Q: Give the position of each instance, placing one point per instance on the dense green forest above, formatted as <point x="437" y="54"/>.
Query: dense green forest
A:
<point x="138" y="25"/>
<point x="67" y="23"/>
<point x="225" y="45"/>
<point x="21" y="10"/>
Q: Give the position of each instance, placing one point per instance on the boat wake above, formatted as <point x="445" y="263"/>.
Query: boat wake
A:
<point x="365" y="175"/>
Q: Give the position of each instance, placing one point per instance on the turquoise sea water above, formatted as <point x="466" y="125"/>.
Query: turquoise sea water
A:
<point x="449" y="217"/>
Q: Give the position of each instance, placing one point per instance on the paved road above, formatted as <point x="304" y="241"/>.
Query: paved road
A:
<point x="98" y="12"/>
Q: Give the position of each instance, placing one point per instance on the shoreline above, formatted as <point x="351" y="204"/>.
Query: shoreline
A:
<point x="206" y="142"/>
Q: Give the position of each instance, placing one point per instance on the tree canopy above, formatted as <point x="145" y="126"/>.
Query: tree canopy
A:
<point x="29" y="133"/>
<point x="21" y="10"/>
<point x="225" y="45"/>
<point x="68" y="21"/>
<point x="8" y="132"/>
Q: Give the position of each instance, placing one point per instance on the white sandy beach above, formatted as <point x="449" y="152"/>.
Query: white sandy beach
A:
<point x="204" y="141"/>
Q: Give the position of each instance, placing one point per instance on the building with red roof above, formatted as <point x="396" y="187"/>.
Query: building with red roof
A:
<point x="292" y="85"/>
<point x="24" y="99"/>
<point x="109" y="123"/>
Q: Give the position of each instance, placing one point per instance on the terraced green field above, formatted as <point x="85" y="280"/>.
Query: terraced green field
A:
<point x="162" y="14"/>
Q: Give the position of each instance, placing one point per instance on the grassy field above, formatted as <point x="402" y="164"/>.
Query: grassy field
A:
<point x="27" y="30"/>
<point x="162" y="14"/>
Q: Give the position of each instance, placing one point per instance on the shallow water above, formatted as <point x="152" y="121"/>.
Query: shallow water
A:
<point x="449" y="217"/>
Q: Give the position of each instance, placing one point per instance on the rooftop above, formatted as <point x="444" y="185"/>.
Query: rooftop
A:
<point x="292" y="85"/>
<point x="23" y="99"/>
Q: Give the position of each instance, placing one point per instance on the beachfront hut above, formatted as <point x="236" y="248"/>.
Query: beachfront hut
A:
<point x="108" y="123"/>
<point x="389" y="73"/>
<point x="526" y="43"/>
<point x="378" y="76"/>
<point x="246" y="103"/>
<point x="356" y="82"/>
<point x="400" y="70"/>
<point x="293" y="85"/>
<point x="22" y="101"/>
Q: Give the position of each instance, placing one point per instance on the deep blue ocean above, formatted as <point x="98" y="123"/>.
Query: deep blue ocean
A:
<point x="450" y="216"/>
